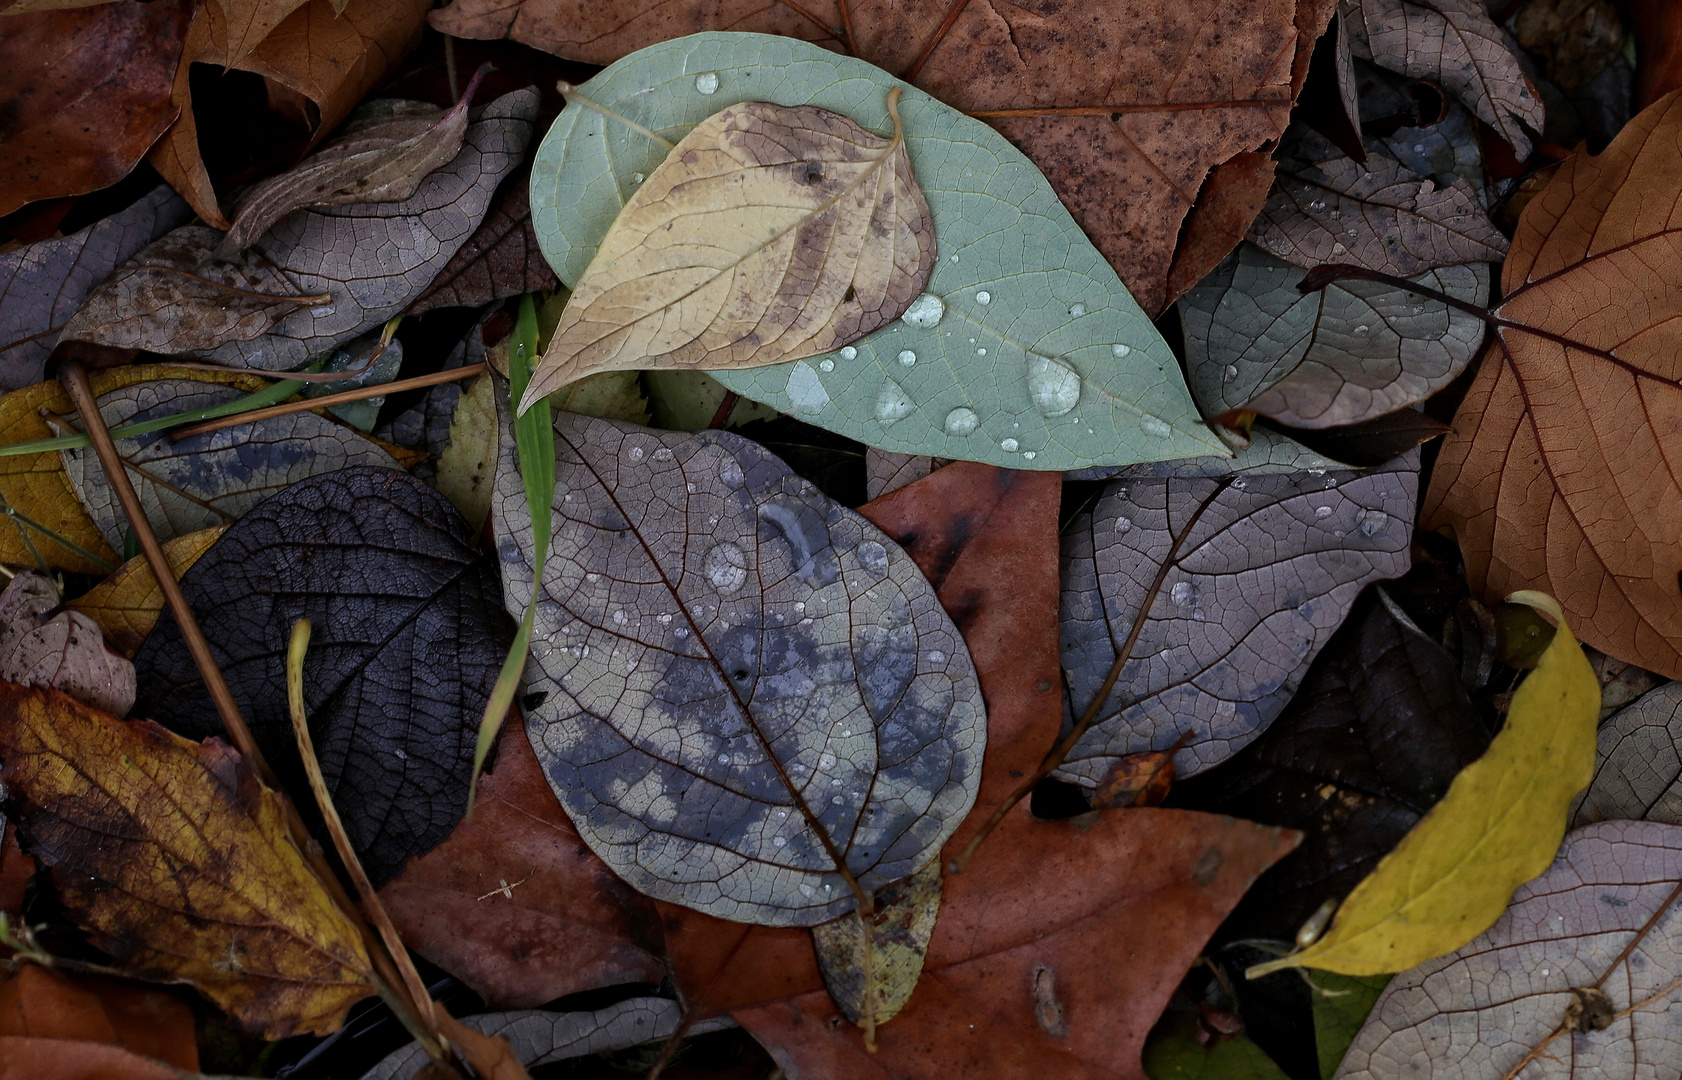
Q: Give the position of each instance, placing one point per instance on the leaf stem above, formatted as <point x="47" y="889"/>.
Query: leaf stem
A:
<point x="935" y="39"/>
<point x="1067" y="744"/>
<point x="573" y="97"/>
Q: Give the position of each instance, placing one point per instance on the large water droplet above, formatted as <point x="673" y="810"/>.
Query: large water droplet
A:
<point x="1229" y="373"/>
<point x="873" y="557"/>
<point x="961" y="421"/>
<point x="826" y="364"/>
<point x="925" y="311"/>
<point x="1183" y="592"/>
<point x="805" y="390"/>
<point x="1156" y="426"/>
<point x="634" y="454"/>
<point x="1362" y="331"/>
<point x="849" y="353"/>
<point x="1120" y="350"/>
<point x="1323" y="511"/>
<point x="664" y="453"/>
<point x="893" y="403"/>
<point x="1054" y="388"/>
<point x="707" y="83"/>
<point x="1076" y="310"/>
<point x="726" y="567"/>
<point x="1371" y="522"/>
<point x="907" y="357"/>
<point x="1123" y="524"/>
<point x="730" y="472"/>
<point x="1008" y="445"/>
<point x="984" y="297"/>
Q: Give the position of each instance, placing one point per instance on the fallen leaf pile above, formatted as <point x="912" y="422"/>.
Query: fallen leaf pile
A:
<point x="1129" y="541"/>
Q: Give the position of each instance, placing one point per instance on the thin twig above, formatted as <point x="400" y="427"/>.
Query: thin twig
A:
<point x="935" y="39"/>
<point x="1061" y="751"/>
<point x="311" y="404"/>
<point x="847" y="27"/>
<point x="573" y="97"/>
<point x="1535" y="1053"/>
<point x="725" y="408"/>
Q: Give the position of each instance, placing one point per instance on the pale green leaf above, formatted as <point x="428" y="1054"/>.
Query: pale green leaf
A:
<point x="1173" y="1053"/>
<point x="1028" y="307"/>
<point x="1341" y="1006"/>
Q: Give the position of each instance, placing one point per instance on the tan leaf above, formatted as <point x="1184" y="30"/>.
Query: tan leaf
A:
<point x="1561" y="472"/>
<point x="179" y="863"/>
<point x="782" y="233"/>
<point x="126" y="604"/>
<point x="43" y="645"/>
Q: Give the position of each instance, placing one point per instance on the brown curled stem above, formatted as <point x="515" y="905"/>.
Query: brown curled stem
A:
<point x="310" y="404"/>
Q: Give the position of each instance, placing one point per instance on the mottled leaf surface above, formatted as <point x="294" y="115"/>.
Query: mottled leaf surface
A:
<point x="44" y="283"/>
<point x="1371" y="741"/>
<point x="1262" y="569"/>
<point x="1027" y="351"/>
<point x="501" y="258"/>
<point x="1638" y="763"/>
<point x="1353" y="351"/>
<point x="1478" y="1012"/>
<point x="880" y="981"/>
<point x="207" y="480"/>
<point x="1452" y="42"/>
<point x="729" y="661"/>
<point x="409" y="635"/>
<point x="41" y="644"/>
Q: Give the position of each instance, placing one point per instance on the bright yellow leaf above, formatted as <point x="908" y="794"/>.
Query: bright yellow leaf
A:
<point x="1499" y="826"/>
<point x="126" y="604"/>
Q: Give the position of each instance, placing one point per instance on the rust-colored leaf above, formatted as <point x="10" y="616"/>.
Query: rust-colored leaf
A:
<point x="513" y="903"/>
<point x="25" y="1057"/>
<point x="1657" y="27"/>
<point x="1560" y="472"/>
<point x="86" y="94"/>
<point x="178" y="862"/>
<point x="42" y="1004"/>
<point x="1142" y="97"/>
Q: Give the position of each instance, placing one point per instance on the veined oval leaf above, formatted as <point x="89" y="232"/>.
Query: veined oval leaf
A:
<point x="768" y="234"/>
<point x="1638" y="766"/>
<point x="1499" y="826"/>
<point x="1028" y="352"/>
<point x="736" y="684"/>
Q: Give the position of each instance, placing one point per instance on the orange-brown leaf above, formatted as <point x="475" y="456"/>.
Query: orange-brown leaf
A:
<point x="51" y="1005"/>
<point x="1564" y="469"/>
<point x="24" y="1057"/>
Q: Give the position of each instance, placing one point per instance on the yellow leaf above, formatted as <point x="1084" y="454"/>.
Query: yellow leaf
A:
<point x="35" y="485"/>
<point x="769" y="233"/>
<point x="178" y="862"/>
<point x="879" y="977"/>
<point x="1499" y="826"/>
<point x="126" y="604"/>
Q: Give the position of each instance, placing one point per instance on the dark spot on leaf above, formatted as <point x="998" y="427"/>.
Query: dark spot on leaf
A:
<point x="1047" y="1009"/>
<point x="850" y="295"/>
<point x="1207" y="867"/>
<point x="534" y="699"/>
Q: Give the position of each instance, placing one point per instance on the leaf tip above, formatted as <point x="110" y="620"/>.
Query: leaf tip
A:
<point x="1541" y="601"/>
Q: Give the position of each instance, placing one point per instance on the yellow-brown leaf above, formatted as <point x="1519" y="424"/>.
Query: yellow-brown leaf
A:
<point x="178" y="862"/>
<point x="126" y="604"/>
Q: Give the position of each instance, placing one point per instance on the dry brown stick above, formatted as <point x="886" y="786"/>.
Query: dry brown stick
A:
<point x="310" y="404"/>
<point x="75" y="378"/>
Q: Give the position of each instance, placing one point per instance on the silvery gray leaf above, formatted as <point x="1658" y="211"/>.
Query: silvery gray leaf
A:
<point x="1638" y="763"/>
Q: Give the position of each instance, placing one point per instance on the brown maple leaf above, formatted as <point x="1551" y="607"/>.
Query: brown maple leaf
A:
<point x="1132" y="109"/>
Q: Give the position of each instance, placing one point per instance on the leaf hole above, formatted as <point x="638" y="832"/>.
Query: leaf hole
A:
<point x="850" y="296"/>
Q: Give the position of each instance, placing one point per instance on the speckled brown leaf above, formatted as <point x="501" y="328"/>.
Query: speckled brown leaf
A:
<point x="1262" y="569"/>
<point x="769" y="233"/>
<point x="43" y="645"/>
<point x="1478" y="1013"/>
<point x="1638" y="763"/>
<point x="744" y="685"/>
<point x="87" y="93"/>
<point x="44" y="283"/>
<point x="178" y="862"/>
<point x="1454" y="43"/>
<point x="501" y="258"/>
<point x="1143" y="97"/>
<point x="1559" y="473"/>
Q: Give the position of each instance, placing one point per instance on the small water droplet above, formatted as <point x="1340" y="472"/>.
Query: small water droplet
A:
<point x="666" y="619"/>
<point x="1336" y="214"/>
<point x="981" y="352"/>
<point x="1229" y="373"/>
<point x="826" y="761"/>
<point x="619" y="617"/>
<point x="1323" y="511"/>
<point x="1076" y="310"/>
<point x="1120" y="350"/>
<point x="1008" y="445"/>
<point x="726" y="567"/>
<point x="730" y="472"/>
<point x="707" y="83"/>
<point x="663" y="453"/>
<point x="324" y="309"/>
<point x="1156" y="426"/>
<point x="1371" y="522"/>
<point x="837" y="800"/>
<point x="849" y="353"/>
<point x="724" y="759"/>
<point x="924" y="312"/>
<point x="1053" y="387"/>
<point x="805" y="390"/>
<point x="682" y="631"/>
<point x="907" y="357"/>
<point x="1317" y="204"/>
<point x="634" y="454"/>
<point x="961" y="421"/>
<point x="778" y="842"/>
<point x="826" y="364"/>
<point x="1338" y="249"/>
<point x="637" y="178"/>
<point x="1419" y="148"/>
<point x="937" y="657"/>
<point x="1122" y="524"/>
<point x="1183" y="592"/>
<point x="873" y="557"/>
<point x="1362" y="330"/>
<point x="953" y="258"/>
<point x="893" y="404"/>
<point x="984" y="297"/>
<point x="1030" y="454"/>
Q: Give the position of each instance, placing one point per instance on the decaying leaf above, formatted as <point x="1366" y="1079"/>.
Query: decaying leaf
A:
<point x="539" y="1038"/>
<point x="37" y="1003"/>
<point x="207" y="480"/>
<point x="745" y="688"/>
<point x="1348" y="353"/>
<point x="43" y="645"/>
<point x="1147" y="98"/>
<point x="1259" y="571"/>
<point x="382" y="154"/>
<point x="408" y="636"/>
<point x="87" y="94"/>
<point x="1575" y="39"/>
<point x="178" y="862"/>
<point x="513" y="904"/>
<point x="1499" y="826"/>
<point x="501" y="258"/>
<point x="1488" y="1009"/>
<point x="1638" y="763"/>
<point x="1452" y="42"/>
<point x="1372" y="740"/>
<point x="877" y="980"/>
<point x="1064" y="369"/>
<point x="126" y="604"/>
<point x="44" y="283"/>
<point x="467" y="466"/>
<point x="767" y="234"/>
<point x="1556" y="474"/>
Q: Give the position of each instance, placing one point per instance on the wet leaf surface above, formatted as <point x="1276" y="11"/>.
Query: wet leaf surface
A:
<point x="1638" y="763"/>
<point x="501" y="258"/>
<point x="126" y="604"/>
<point x="742" y="684"/>
<point x="1348" y="353"/>
<point x="1480" y="1011"/>
<point x="1371" y="741"/>
<point x="177" y="861"/>
<point x="1582" y="429"/>
<point x="43" y="645"/>
<point x="1064" y="366"/>
<point x="43" y="284"/>
<point x="408" y="636"/>
<point x="1260" y="571"/>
